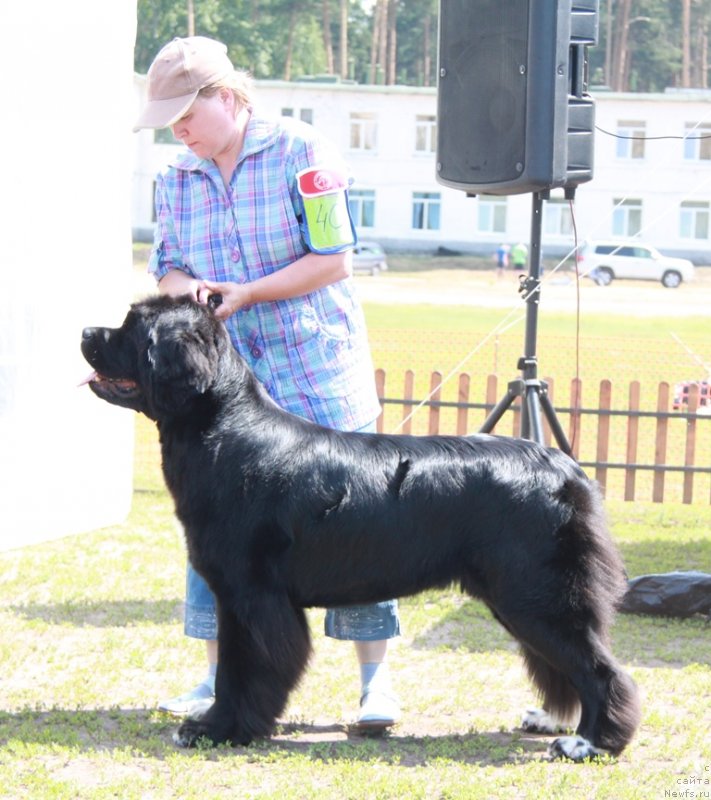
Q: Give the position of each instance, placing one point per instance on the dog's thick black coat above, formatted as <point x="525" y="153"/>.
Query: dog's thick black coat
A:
<point x="281" y="515"/>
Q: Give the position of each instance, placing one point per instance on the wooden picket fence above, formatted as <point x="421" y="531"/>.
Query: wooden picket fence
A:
<point x="661" y="453"/>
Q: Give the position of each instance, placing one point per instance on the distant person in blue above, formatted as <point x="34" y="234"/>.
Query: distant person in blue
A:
<point x="502" y="259"/>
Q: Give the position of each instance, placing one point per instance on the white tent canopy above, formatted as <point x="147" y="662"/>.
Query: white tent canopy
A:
<point x="65" y="263"/>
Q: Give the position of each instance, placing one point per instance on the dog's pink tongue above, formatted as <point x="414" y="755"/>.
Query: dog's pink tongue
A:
<point x="88" y="379"/>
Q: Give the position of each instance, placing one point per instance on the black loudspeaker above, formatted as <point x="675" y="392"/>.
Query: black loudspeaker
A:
<point x="513" y="113"/>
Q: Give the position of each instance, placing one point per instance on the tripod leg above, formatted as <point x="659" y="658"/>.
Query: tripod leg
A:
<point x="556" y="428"/>
<point x="514" y="391"/>
<point x="532" y="427"/>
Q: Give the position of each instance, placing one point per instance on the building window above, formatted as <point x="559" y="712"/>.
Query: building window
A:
<point x="425" y="211"/>
<point x="697" y="141"/>
<point x="626" y="217"/>
<point x="363" y="129"/>
<point x="362" y="207"/>
<point x="425" y="133"/>
<point x="305" y="114"/>
<point x="557" y="219"/>
<point x="631" y="141"/>
<point x="694" y="220"/>
<point x="164" y="136"/>
<point x="491" y="215"/>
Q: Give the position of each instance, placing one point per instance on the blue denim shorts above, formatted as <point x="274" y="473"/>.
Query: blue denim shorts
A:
<point x="365" y="623"/>
<point x="200" y="613"/>
<point x="353" y="623"/>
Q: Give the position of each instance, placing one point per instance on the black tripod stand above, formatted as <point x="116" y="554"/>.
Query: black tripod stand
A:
<point x="534" y="392"/>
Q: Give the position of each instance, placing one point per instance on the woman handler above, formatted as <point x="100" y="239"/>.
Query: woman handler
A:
<point x="256" y="211"/>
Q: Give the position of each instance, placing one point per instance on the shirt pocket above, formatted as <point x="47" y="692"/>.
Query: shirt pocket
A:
<point x="328" y="359"/>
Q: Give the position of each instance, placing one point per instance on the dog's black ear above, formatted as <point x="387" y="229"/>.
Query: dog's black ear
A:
<point x="181" y="365"/>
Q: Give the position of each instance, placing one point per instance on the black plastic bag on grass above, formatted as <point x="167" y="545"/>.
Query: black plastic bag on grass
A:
<point x="671" y="594"/>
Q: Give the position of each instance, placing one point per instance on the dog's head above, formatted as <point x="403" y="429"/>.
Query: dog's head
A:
<point x="163" y="357"/>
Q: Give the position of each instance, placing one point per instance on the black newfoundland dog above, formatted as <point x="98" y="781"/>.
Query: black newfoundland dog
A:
<point x="281" y="515"/>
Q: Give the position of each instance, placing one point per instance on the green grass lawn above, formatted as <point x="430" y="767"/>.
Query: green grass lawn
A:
<point x="592" y="345"/>
<point x="622" y="349"/>
<point x="92" y="640"/>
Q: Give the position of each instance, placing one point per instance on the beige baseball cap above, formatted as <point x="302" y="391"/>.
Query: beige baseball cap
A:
<point x="178" y="72"/>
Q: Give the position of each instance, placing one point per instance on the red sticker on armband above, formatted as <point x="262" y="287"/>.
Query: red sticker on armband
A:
<point x="318" y="180"/>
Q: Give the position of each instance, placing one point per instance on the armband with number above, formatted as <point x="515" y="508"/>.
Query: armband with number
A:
<point x="324" y="195"/>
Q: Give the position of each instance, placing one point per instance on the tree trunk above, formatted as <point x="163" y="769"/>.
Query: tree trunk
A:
<point x="426" y="60"/>
<point x="391" y="76"/>
<point x="702" y="58"/>
<point x="293" y="15"/>
<point x="608" y="45"/>
<point x="374" y="45"/>
<point x="620" y="55"/>
<point x="191" y="18"/>
<point x="382" y="40"/>
<point x="327" y="41"/>
<point x="377" y="54"/>
<point x="344" y="39"/>
<point x="685" y="43"/>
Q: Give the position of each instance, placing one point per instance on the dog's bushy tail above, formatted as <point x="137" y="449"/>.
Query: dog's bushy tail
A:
<point x="621" y="712"/>
<point x="599" y="577"/>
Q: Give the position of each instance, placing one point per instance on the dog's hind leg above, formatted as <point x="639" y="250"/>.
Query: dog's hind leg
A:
<point x="563" y="627"/>
<point x="561" y="710"/>
<point x="262" y="654"/>
<point x="583" y="674"/>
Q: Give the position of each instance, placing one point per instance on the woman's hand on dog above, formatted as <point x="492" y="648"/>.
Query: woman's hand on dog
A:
<point x="308" y="273"/>
<point x="176" y="282"/>
<point x="234" y="296"/>
<point x="224" y="298"/>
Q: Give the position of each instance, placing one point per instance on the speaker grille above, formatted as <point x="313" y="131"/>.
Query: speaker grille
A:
<point x="481" y="104"/>
<point x="513" y="110"/>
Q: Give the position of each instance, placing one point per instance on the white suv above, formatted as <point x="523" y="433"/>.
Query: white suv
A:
<point x="604" y="261"/>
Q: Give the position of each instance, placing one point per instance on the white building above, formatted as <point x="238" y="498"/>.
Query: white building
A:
<point x="655" y="183"/>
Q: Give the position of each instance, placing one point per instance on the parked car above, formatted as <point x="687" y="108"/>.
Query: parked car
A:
<point x="605" y="261"/>
<point x="369" y="257"/>
<point x="681" y="395"/>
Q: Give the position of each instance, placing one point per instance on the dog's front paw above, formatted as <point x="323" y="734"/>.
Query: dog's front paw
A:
<point x="197" y="732"/>
<point x="574" y="748"/>
<point x="208" y="731"/>
<point x="536" y="720"/>
<point x="191" y="733"/>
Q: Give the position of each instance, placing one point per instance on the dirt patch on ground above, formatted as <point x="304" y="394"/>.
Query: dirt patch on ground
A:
<point x="560" y="292"/>
<point x="471" y="281"/>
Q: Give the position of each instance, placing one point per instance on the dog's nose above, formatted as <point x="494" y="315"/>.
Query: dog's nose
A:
<point x="88" y="333"/>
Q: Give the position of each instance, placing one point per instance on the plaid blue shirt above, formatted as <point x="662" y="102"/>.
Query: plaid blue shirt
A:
<point x="310" y="352"/>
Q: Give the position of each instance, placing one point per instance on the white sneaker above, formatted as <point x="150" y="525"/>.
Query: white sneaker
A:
<point x="378" y="710"/>
<point x="192" y="703"/>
